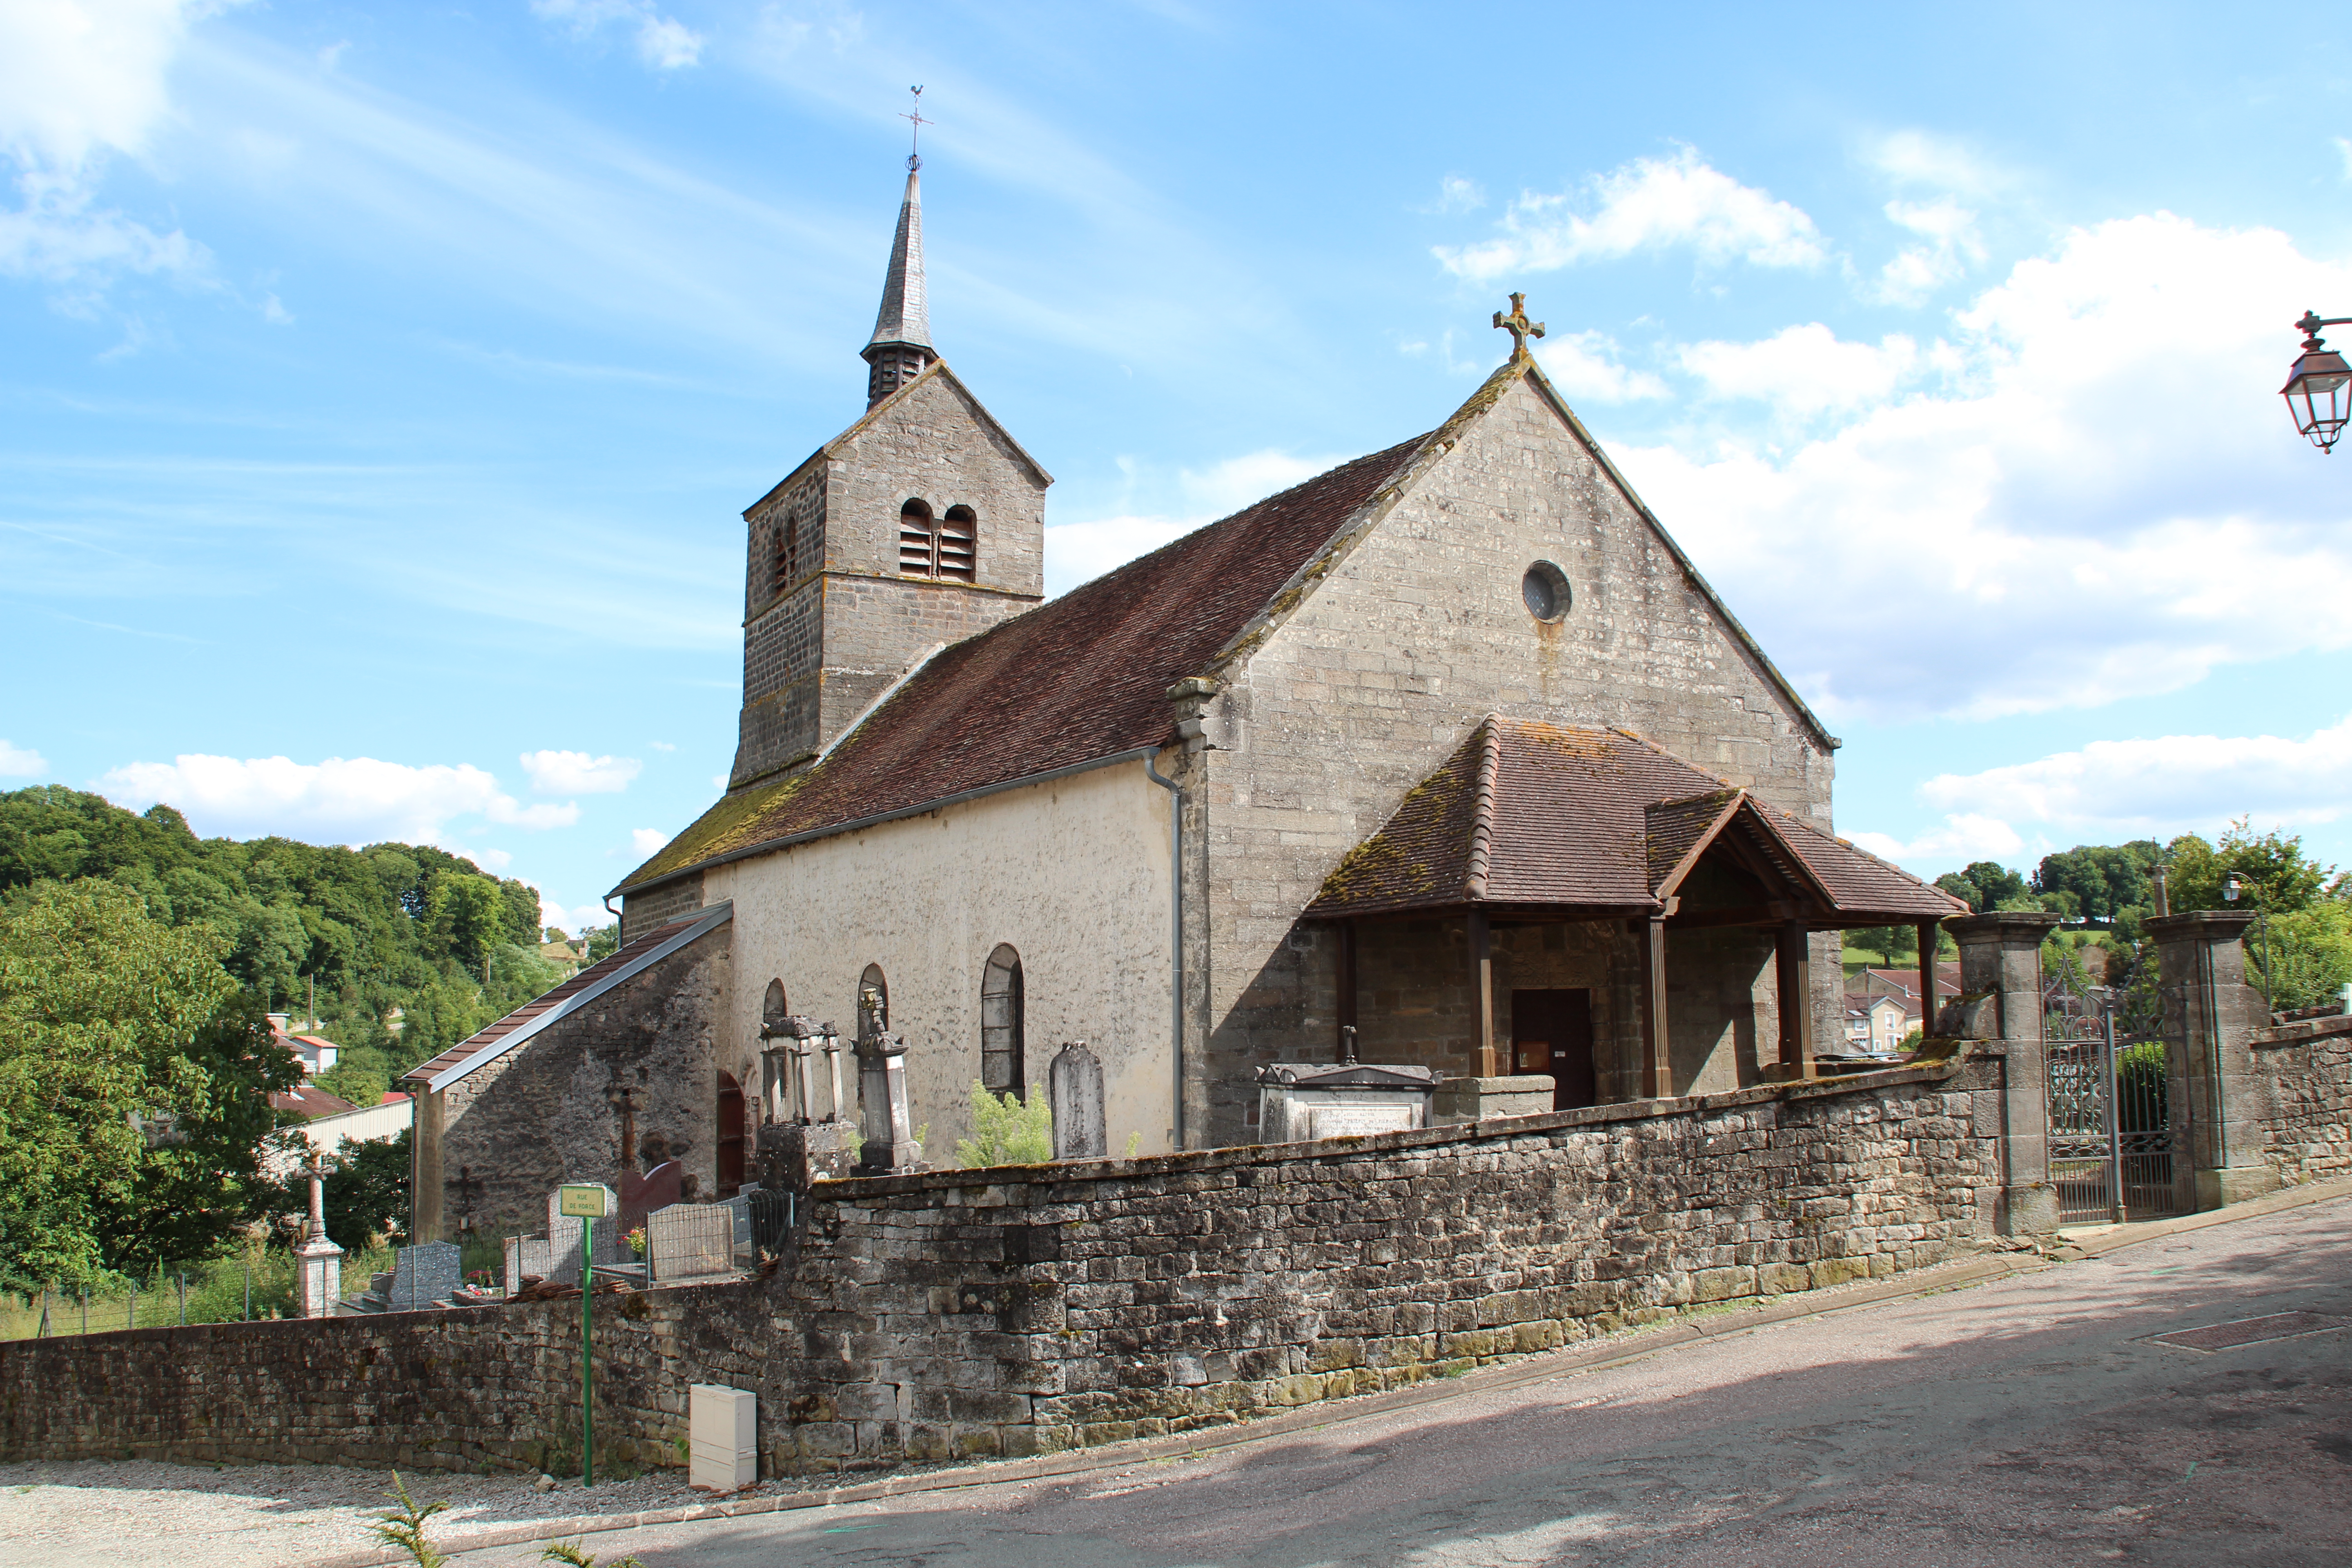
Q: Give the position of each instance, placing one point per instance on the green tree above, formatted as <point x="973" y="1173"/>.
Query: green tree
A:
<point x="604" y="942"/>
<point x="1006" y="1130"/>
<point x="126" y="1067"/>
<point x="2289" y="879"/>
<point x="2097" y="881"/>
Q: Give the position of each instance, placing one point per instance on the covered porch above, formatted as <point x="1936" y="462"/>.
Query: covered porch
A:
<point x="1581" y="904"/>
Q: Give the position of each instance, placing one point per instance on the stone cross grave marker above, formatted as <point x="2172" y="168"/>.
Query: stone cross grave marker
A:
<point x="1075" y="1082"/>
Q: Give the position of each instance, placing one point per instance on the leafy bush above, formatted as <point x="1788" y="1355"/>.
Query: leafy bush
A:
<point x="1011" y="1133"/>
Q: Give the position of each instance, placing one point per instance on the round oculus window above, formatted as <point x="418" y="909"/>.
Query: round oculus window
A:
<point x="1545" y="589"/>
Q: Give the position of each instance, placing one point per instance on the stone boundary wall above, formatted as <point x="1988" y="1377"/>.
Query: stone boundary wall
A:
<point x="452" y="1390"/>
<point x="2306" y="1124"/>
<point x="1031" y="1309"/>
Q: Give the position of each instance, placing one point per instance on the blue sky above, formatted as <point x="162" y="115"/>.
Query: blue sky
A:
<point x="382" y="387"/>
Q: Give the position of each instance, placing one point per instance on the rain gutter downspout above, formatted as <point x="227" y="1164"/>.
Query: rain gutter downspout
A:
<point x="1175" y="935"/>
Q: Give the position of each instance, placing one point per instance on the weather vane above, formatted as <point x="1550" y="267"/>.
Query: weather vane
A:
<point x="914" y="154"/>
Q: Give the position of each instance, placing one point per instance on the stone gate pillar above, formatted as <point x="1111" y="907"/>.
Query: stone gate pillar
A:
<point x="2215" y="1100"/>
<point x="2000" y="999"/>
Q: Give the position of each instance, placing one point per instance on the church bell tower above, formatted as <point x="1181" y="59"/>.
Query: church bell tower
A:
<point x="921" y="525"/>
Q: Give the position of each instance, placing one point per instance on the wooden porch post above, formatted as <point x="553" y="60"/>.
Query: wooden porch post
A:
<point x="1927" y="933"/>
<point x="1793" y="971"/>
<point x="1482" y="988"/>
<point x="1657" y="1054"/>
<point x="1346" y="984"/>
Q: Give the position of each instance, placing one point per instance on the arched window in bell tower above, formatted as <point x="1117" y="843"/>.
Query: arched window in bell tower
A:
<point x="958" y="538"/>
<point x="918" y="540"/>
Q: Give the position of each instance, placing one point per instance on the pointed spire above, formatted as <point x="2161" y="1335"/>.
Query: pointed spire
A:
<point x="900" y="347"/>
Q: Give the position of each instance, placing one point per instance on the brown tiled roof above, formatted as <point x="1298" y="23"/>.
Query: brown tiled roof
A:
<point x="1080" y="678"/>
<point x="310" y="1103"/>
<point x="1534" y="813"/>
<point x="634" y="955"/>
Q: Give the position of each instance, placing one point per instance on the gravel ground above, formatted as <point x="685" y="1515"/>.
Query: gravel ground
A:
<point x="103" y="1512"/>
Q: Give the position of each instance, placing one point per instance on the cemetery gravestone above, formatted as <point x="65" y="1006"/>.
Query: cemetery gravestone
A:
<point x="420" y="1277"/>
<point x="1075" y="1082"/>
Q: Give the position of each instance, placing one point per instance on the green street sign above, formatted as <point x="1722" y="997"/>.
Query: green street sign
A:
<point x="580" y="1203"/>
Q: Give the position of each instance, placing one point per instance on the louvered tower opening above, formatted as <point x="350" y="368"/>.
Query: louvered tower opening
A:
<point x="918" y="541"/>
<point x="959" y="544"/>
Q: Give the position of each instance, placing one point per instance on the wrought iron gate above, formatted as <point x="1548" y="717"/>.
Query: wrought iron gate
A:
<point x="2110" y="1116"/>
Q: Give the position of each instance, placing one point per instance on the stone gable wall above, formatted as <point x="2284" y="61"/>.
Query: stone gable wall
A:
<point x="1030" y="1309"/>
<point x="1377" y="677"/>
<point x="537" y="1117"/>
<point x="2306" y="1071"/>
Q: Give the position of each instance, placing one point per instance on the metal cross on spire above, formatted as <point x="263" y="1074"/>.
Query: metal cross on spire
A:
<point x="1519" y="326"/>
<point x="914" y="148"/>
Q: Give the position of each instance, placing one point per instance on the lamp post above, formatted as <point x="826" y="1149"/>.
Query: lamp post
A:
<point x="2318" y="389"/>
<point x="2234" y="885"/>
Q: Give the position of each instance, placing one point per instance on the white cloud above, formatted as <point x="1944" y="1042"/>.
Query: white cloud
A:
<point x="663" y="42"/>
<point x="356" y="801"/>
<point x="2114" y="790"/>
<point x="573" y="919"/>
<point x="81" y="79"/>
<point x="1585" y="366"/>
<point x="1938" y="162"/>
<point x="662" y="745"/>
<point x="577" y="773"/>
<point x="1953" y="248"/>
<point x="490" y="859"/>
<point x="1805" y="370"/>
<point x="1963" y="838"/>
<point x="1458" y="194"/>
<point x="2098" y="497"/>
<point x="1650" y="204"/>
<point x="648" y="840"/>
<point x="58" y="236"/>
<point x="21" y="762"/>
<point x="79" y="76"/>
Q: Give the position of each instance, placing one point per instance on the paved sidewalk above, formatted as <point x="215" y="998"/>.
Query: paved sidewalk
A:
<point x="2029" y="1419"/>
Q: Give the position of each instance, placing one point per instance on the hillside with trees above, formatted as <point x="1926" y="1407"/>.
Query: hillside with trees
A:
<point x="408" y="948"/>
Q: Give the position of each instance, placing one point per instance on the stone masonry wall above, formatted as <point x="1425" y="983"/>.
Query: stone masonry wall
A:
<point x="425" y="1391"/>
<point x="2307" y="1069"/>
<point x="1029" y="1308"/>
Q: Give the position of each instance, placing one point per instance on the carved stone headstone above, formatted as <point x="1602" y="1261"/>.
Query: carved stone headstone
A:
<point x="1075" y="1082"/>
<point x="656" y="1189"/>
<point x="419" y="1277"/>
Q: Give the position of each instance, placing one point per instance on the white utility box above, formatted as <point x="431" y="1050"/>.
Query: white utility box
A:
<point x="723" y="1430"/>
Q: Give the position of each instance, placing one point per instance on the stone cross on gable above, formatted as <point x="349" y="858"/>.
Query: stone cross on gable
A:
<point x="1519" y="326"/>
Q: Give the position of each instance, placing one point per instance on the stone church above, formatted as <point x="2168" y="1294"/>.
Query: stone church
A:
<point x="1450" y="752"/>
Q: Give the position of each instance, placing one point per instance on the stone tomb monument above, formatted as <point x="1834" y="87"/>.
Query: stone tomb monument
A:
<point x="1299" y="1102"/>
<point x="420" y="1277"/>
<point x="1075" y="1082"/>
<point x="689" y="1241"/>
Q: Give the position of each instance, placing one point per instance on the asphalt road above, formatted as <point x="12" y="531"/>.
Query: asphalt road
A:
<point x="2027" y="1421"/>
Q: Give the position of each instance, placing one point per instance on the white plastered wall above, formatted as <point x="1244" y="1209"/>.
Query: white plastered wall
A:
<point x="1073" y="873"/>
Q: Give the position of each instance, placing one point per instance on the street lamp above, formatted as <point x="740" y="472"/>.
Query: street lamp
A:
<point x="2318" y="390"/>
<point x="2232" y="886"/>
